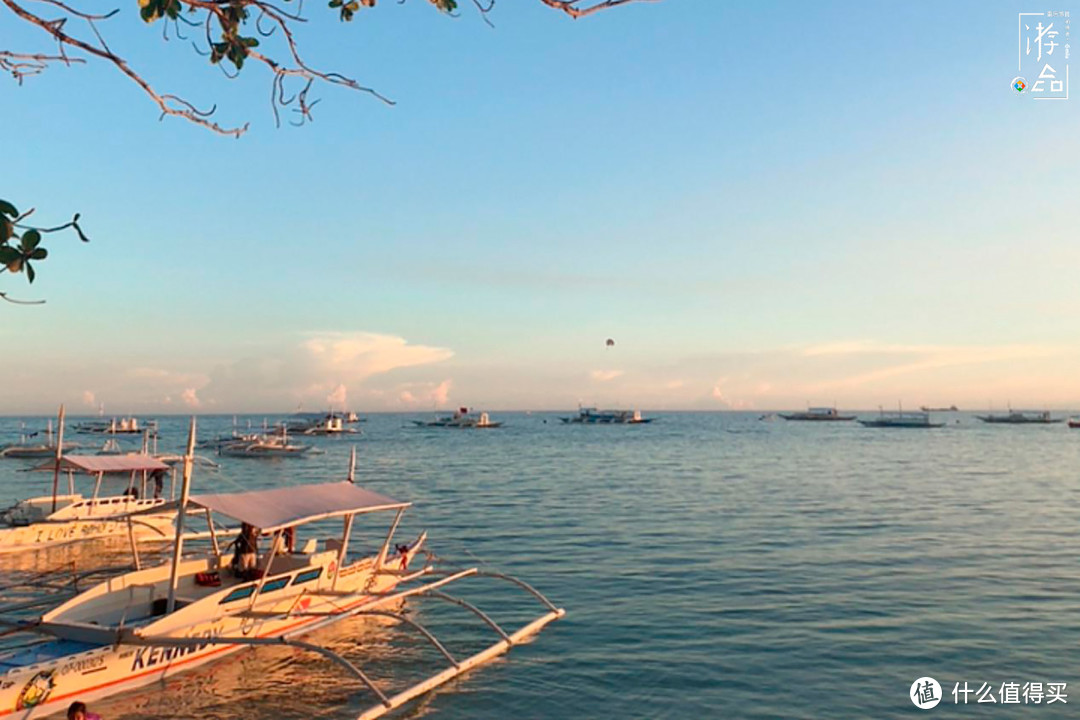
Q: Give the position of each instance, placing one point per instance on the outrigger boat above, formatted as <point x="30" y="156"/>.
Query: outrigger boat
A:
<point x="901" y="419"/>
<point x="140" y="627"/>
<point x="461" y="418"/>
<point x="818" y="414"/>
<point x="57" y="519"/>
<point x="592" y="416"/>
<point x="264" y="446"/>
<point x="123" y="426"/>
<point x="25" y="450"/>
<point x="1021" y="417"/>
<point x="330" y="425"/>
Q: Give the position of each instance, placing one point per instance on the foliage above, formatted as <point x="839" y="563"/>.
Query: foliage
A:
<point x="20" y="243"/>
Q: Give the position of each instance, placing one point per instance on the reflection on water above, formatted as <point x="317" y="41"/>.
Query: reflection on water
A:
<point x="711" y="566"/>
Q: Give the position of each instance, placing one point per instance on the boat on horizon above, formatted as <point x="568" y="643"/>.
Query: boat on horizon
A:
<point x="461" y="418"/>
<point x="901" y="419"/>
<point x="951" y="408"/>
<point x="26" y="450"/>
<point x="1074" y="422"/>
<point x="592" y="416"/>
<point x="818" y="414"/>
<point x="137" y="628"/>
<point x="1021" y="417"/>
<point x="123" y="426"/>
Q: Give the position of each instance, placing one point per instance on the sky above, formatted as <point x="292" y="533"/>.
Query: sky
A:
<point x="765" y="204"/>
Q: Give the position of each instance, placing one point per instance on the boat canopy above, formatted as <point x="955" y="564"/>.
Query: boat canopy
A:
<point x="95" y="464"/>
<point x="271" y="510"/>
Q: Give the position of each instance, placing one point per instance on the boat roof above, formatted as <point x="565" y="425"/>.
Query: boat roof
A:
<point x="94" y="464"/>
<point x="271" y="510"/>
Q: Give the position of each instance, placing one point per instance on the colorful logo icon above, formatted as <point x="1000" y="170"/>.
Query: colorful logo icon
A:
<point x="1019" y="84"/>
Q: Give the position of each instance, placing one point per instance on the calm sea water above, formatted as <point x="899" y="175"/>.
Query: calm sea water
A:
<point x="711" y="565"/>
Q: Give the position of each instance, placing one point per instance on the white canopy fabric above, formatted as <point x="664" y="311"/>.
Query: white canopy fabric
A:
<point x="105" y="463"/>
<point x="271" y="510"/>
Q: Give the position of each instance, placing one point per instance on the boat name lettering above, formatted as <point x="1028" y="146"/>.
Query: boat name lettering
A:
<point x="148" y="657"/>
<point x="82" y="666"/>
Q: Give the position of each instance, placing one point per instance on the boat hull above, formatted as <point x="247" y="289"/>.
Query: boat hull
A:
<point x="96" y="671"/>
<point x="51" y="534"/>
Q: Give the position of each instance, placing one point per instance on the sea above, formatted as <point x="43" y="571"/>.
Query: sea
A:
<point x="712" y="565"/>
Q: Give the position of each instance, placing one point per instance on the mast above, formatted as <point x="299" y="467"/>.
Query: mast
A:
<point x="59" y="455"/>
<point x="352" y="465"/>
<point x="185" y="491"/>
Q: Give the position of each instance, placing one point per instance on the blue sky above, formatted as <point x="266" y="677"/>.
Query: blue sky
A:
<point x="764" y="204"/>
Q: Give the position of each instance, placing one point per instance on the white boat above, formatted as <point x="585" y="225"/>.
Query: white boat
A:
<point x="461" y="418"/>
<point x="592" y="416"/>
<point x="330" y="425"/>
<point x="272" y="445"/>
<point x="27" y="450"/>
<point x="901" y="419"/>
<point x="818" y="414"/>
<point x="57" y="519"/>
<point x="122" y="426"/>
<point x="138" y="628"/>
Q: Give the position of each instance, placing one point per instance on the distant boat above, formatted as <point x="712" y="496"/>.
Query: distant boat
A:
<point x="264" y="446"/>
<point x="461" y="418"/>
<point x="902" y="419"/>
<point x="330" y="425"/>
<point x="25" y="450"/>
<point x="1021" y="417"/>
<point x="592" y="416"/>
<point x="123" y="426"/>
<point x="951" y="408"/>
<point x="767" y="417"/>
<point x="818" y="414"/>
<point x="1074" y="422"/>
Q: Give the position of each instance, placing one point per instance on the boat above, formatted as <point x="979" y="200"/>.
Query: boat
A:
<point x="266" y="445"/>
<point x="138" y="628"/>
<point x="818" y="414"/>
<point x="901" y="419"/>
<point x="123" y="426"/>
<point x="26" y="450"/>
<point x="461" y="418"/>
<point x="1074" y="422"/>
<point x="57" y="519"/>
<point x="951" y="408"/>
<point x="592" y="416"/>
<point x="330" y="425"/>
<point x="1021" y="417"/>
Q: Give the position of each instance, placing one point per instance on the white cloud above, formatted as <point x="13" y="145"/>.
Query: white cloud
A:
<point x="89" y="398"/>
<point x="605" y="375"/>
<point x="190" y="397"/>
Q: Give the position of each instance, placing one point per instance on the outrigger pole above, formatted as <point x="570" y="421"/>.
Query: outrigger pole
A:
<point x="352" y="465"/>
<point x="185" y="491"/>
<point x="59" y="454"/>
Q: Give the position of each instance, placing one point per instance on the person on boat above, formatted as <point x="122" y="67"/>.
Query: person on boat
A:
<point x="159" y="483"/>
<point x="246" y="555"/>
<point x="77" y="711"/>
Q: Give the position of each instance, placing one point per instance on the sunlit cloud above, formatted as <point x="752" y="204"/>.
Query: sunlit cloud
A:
<point x="605" y="375"/>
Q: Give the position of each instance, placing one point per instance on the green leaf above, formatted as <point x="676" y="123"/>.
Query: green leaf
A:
<point x="8" y="254"/>
<point x="8" y="209"/>
<point x="30" y="240"/>
<point x="29" y="272"/>
<point x="39" y="254"/>
<point x="5" y="230"/>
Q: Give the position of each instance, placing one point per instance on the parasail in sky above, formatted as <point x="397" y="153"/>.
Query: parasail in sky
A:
<point x="610" y="342"/>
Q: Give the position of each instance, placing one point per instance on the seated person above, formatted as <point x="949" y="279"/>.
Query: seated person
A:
<point x="246" y="554"/>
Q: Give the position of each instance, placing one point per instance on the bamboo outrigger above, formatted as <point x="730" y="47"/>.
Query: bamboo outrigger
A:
<point x="139" y="627"/>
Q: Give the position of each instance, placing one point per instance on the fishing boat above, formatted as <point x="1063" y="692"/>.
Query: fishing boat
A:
<point x="592" y="416"/>
<point x="122" y="426"/>
<point x="266" y="445"/>
<point x="951" y="408"/>
<point x="461" y="418"/>
<point x="57" y="519"/>
<point x="818" y="414"/>
<point x="27" y="450"/>
<point x="138" y="628"/>
<point x="1074" y="422"/>
<point x="1021" y="417"/>
<point x="330" y="425"/>
<point x="901" y="419"/>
